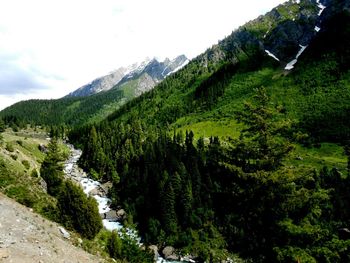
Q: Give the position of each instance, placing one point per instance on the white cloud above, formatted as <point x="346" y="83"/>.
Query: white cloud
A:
<point x="65" y="44"/>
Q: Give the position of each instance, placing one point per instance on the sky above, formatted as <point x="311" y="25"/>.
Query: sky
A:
<point x="49" y="48"/>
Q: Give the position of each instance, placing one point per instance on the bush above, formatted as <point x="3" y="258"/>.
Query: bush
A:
<point x="34" y="173"/>
<point x="26" y="164"/>
<point x="126" y="248"/>
<point x="10" y="147"/>
<point x="78" y="211"/>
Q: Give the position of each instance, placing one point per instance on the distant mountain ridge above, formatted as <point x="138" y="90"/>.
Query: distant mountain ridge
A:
<point x="280" y="39"/>
<point x="149" y="72"/>
<point x="283" y="34"/>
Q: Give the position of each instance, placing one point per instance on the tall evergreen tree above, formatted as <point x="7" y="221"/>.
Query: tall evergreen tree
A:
<point x="79" y="211"/>
<point x="260" y="146"/>
<point x="52" y="169"/>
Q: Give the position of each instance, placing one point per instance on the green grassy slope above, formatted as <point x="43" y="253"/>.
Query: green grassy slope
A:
<point x="315" y="96"/>
<point x="20" y="161"/>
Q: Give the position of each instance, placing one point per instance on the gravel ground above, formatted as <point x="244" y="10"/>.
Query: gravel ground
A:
<point x="28" y="237"/>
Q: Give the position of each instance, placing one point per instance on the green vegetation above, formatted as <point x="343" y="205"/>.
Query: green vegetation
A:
<point x="78" y="211"/>
<point x="213" y="198"/>
<point x="16" y="169"/>
<point x="250" y="194"/>
<point x="125" y="247"/>
<point x="65" y="111"/>
<point x="75" y="210"/>
<point x="264" y="175"/>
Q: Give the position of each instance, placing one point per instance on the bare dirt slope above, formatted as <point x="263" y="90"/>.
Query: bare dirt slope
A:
<point x="28" y="237"/>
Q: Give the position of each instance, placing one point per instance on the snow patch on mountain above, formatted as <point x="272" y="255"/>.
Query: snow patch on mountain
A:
<point x="271" y="55"/>
<point x="156" y="70"/>
<point x="320" y="6"/>
<point x="291" y="64"/>
<point x="179" y="67"/>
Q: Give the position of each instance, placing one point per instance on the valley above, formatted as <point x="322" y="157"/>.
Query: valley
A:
<point x="241" y="154"/>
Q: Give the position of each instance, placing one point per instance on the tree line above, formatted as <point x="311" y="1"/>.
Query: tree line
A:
<point x="212" y="198"/>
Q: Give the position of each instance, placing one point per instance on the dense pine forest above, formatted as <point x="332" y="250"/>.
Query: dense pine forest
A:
<point x="227" y="157"/>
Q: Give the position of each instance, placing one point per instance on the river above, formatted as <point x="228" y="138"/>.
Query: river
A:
<point x="74" y="172"/>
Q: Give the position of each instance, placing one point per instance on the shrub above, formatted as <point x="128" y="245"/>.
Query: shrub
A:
<point x="26" y="164"/>
<point x="34" y="173"/>
<point x="10" y="147"/>
<point x="78" y="211"/>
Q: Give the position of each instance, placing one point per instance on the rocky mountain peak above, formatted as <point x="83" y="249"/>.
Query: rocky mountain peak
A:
<point x="155" y="70"/>
<point x="282" y="34"/>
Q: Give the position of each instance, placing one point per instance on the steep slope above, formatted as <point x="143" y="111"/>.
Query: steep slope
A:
<point x="147" y="73"/>
<point x="278" y="34"/>
<point x="247" y="192"/>
<point x="100" y="84"/>
<point x="25" y="235"/>
<point x="146" y="77"/>
<point x="243" y="194"/>
<point x="274" y="39"/>
<point x="28" y="237"/>
<point x="97" y="100"/>
<point x="205" y="94"/>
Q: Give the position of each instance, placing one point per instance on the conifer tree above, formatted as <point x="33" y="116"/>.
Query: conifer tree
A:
<point x="2" y="125"/>
<point x="259" y="146"/>
<point x="79" y="211"/>
<point x="52" y="169"/>
<point x="168" y="209"/>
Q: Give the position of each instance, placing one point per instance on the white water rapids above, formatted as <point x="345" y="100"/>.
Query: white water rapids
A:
<point x="74" y="172"/>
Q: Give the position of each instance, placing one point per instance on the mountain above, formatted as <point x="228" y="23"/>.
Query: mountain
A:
<point x="147" y="74"/>
<point x="264" y="52"/>
<point x="100" y="84"/>
<point x="95" y="101"/>
<point x="246" y="148"/>
<point x="244" y="152"/>
<point x="281" y="34"/>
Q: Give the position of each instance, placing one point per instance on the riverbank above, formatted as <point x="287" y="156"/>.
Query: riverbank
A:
<point x="99" y="192"/>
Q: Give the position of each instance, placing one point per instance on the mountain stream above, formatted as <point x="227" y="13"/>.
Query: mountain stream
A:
<point x="97" y="191"/>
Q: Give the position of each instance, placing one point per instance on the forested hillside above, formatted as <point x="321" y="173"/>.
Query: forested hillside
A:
<point x="65" y="111"/>
<point x="245" y="150"/>
<point x="254" y="190"/>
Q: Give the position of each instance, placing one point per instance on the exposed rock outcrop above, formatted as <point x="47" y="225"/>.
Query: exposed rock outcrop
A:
<point x="147" y="74"/>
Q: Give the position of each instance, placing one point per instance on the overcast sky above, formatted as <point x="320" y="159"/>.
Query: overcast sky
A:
<point x="49" y="48"/>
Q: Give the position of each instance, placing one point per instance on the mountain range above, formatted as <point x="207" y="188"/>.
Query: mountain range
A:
<point x="144" y="75"/>
<point x="96" y="100"/>
<point x="282" y="34"/>
<point x="241" y="154"/>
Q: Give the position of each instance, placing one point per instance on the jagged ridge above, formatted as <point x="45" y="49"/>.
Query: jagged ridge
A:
<point x="150" y="72"/>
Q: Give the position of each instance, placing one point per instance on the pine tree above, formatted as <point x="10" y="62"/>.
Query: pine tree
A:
<point x="52" y="169"/>
<point x="78" y="211"/>
<point x="2" y="125"/>
<point x="114" y="246"/>
<point x="168" y="209"/>
<point x="259" y="146"/>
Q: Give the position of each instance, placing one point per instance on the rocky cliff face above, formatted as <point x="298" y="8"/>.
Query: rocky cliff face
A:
<point x="144" y="79"/>
<point x="146" y="74"/>
<point x="100" y="84"/>
<point x="282" y="34"/>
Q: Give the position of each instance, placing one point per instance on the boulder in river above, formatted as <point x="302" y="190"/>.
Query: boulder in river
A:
<point x="169" y="253"/>
<point x="154" y="250"/>
<point x="121" y="214"/>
